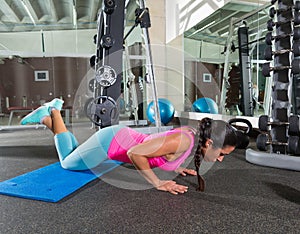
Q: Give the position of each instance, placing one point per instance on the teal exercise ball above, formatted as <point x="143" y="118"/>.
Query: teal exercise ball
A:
<point x="205" y="105"/>
<point x="166" y="110"/>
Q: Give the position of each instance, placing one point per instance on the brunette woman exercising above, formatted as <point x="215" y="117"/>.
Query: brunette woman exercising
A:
<point x="166" y="150"/>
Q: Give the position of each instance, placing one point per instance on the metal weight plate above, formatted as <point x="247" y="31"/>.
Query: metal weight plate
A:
<point x="102" y="111"/>
<point x="106" y="76"/>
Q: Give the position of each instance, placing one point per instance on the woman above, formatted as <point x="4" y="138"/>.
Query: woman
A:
<point x="167" y="150"/>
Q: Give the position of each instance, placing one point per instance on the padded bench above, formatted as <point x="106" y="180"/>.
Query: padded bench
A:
<point x="17" y="109"/>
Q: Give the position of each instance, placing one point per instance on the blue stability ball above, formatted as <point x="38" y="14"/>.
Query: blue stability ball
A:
<point x="205" y="105"/>
<point x="166" y="110"/>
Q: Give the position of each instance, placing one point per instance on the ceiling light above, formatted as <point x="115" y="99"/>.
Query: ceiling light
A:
<point x="204" y="27"/>
<point x="28" y="12"/>
<point x="74" y="17"/>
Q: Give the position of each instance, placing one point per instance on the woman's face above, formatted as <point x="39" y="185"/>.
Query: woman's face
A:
<point x="211" y="154"/>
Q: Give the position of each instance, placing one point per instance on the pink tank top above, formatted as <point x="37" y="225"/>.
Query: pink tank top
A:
<point x="127" y="138"/>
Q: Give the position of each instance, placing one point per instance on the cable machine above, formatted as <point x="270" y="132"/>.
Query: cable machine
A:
<point x="103" y="110"/>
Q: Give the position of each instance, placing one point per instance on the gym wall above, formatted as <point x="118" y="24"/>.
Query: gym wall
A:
<point x="18" y="80"/>
<point x="195" y="86"/>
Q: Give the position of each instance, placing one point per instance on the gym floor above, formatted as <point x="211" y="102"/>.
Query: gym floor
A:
<point x="240" y="197"/>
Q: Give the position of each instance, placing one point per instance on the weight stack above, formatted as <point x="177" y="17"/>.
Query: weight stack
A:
<point x="108" y="62"/>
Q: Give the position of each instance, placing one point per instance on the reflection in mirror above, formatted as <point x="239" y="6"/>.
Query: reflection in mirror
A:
<point x="216" y="45"/>
<point x="45" y="47"/>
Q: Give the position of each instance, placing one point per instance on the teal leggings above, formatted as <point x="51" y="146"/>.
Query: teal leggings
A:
<point x="89" y="154"/>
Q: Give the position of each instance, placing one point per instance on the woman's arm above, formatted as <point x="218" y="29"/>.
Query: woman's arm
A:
<point x="142" y="165"/>
<point x="172" y="144"/>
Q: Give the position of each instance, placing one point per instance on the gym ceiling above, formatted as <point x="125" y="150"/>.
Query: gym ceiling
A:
<point x="215" y="28"/>
<point x="28" y="15"/>
<point x="36" y="15"/>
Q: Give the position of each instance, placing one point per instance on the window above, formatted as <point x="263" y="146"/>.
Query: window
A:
<point x="206" y="77"/>
<point x="41" y="76"/>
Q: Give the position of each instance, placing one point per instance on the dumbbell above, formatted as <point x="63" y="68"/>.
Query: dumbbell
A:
<point x="93" y="61"/>
<point x="263" y="140"/>
<point x="294" y="145"/>
<point x="294" y="124"/>
<point x="271" y="23"/>
<point x="266" y="69"/>
<point x="269" y="37"/>
<point x="273" y="11"/>
<point x="264" y="122"/>
<point x="269" y="53"/>
<point x="273" y="2"/>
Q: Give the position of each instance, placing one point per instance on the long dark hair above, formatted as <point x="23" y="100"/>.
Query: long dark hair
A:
<point x="220" y="132"/>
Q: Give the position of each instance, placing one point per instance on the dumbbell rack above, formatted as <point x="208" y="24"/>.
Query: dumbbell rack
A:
<point x="285" y="67"/>
<point x="232" y="94"/>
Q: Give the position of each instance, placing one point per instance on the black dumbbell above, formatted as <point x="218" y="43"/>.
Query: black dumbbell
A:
<point x="242" y="136"/>
<point x="271" y="23"/>
<point x="269" y="37"/>
<point x="269" y="53"/>
<point x="294" y="124"/>
<point x="93" y="61"/>
<point x="266" y="69"/>
<point x="294" y="145"/>
<point x="264" y="123"/>
<point x="273" y="2"/>
<point x="263" y="140"/>
<point x="273" y="11"/>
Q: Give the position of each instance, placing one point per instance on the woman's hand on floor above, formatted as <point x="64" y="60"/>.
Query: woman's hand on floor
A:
<point x="171" y="187"/>
<point x="185" y="171"/>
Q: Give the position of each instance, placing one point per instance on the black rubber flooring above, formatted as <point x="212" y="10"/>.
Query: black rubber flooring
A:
<point x="240" y="198"/>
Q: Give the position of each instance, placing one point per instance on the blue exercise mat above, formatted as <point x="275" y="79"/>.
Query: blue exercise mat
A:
<point x="52" y="183"/>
